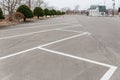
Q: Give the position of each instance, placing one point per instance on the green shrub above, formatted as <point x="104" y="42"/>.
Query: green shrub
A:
<point x="63" y="13"/>
<point x="25" y="10"/>
<point x="58" y="13"/>
<point x="38" y="12"/>
<point x="1" y="14"/>
<point x="53" y="12"/>
<point x="47" y="12"/>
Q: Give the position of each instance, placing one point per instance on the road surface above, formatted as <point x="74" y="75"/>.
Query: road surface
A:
<point x="72" y="47"/>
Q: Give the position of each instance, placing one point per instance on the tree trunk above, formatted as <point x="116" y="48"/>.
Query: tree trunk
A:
<point x="24" y="19"/>
<point x="38" y="17"/>
<point x="10" y="17"/>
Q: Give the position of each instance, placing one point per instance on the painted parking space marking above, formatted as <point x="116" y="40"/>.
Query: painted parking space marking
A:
<point x="21" y="52"/>
<point x="18" y="53"/>
<point x="70" y="30"/>
<point x="106" y="76"/>
<point x="82" y="34"/>
<point x="36" y="32"/>
<point x="39" y="26"/>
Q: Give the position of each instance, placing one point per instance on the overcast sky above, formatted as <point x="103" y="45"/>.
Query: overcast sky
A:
<point x="84" y="4"/>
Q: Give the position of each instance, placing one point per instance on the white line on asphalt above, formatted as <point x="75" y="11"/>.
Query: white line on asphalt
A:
<point x="26" y="34"/>
<point x="74" y="31"/>
<point x="84" y="33"/>
<point x="37" y="26"/>
<point x="70" y="30"/>
<point x="15" y="54"/>
<point x="107" y="75"/>
<point x="21" y="52"/>
<point x="36" y="32"/>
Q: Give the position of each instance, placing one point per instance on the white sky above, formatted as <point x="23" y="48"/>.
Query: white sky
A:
<point x="84" y="4"/>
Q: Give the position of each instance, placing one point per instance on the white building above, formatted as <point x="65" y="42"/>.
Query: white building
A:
<point x="97" y="10"/>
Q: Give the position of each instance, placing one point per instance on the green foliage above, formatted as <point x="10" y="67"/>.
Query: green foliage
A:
<point x="1" y="14"/>
<point x="63" y="13"/>
<point x="25" y="10"/>
<point x="38" y="12"/>
<point x="58" y="13"/>
<point x="50" y="13"/>
<point x="47" y="12"/>
<point x="53" y="12"/>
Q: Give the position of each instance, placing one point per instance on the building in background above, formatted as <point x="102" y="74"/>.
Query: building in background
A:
<point x="97" y="10"/>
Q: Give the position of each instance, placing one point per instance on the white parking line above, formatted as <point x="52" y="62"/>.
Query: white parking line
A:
<point x="74" y="31"/>
<point x="106" y="76"/>
<point x="84" y="33"/>
<point x="109" y="73"/>
<point x="15" y="54"/>
<point x="26" y="34"/>
<point x="21" y="52"/>
<point x="37" y="26"/>
<point x="70" y="30"/>
<point x="35" y="32"/>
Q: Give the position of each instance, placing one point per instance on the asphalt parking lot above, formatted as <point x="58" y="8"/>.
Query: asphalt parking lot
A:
<point x="70" y="47"/>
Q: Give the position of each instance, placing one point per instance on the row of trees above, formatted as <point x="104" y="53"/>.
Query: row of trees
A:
<point x="24" y="12"/>
<point x="39" y="12"/>
<point x="1" y="14"/>
<point x="10" y="6"/>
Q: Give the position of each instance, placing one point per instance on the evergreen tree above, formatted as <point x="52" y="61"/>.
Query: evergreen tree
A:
<point x="25" y="10"/>
<point x="46" y="12"/>
<point x="38" y="12"/>
<point x="1" y="14"/>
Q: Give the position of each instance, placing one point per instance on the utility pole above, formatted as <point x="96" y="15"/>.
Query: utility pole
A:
<point x="113" y="7"/>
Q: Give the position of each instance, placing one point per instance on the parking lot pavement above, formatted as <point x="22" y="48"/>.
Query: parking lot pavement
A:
<point x="46" y="22"/>
<point x="17" y="44"/>
<point x="43" y="65"/>
<point x="83" y="46"/>
<point x="33" y="29"/>
<point x="77" y="48"/>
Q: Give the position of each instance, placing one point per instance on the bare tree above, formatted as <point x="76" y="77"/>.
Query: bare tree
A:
<point x="39" y="2"/>
<point x="35" y="3"/>
<point x="45" y="5"/>
<point x="10" y="6"/>
<point x="76" y="8"/>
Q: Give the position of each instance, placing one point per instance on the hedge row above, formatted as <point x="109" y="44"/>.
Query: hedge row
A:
<point x="26" y="12"/>
<point x="39" y="12"/>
